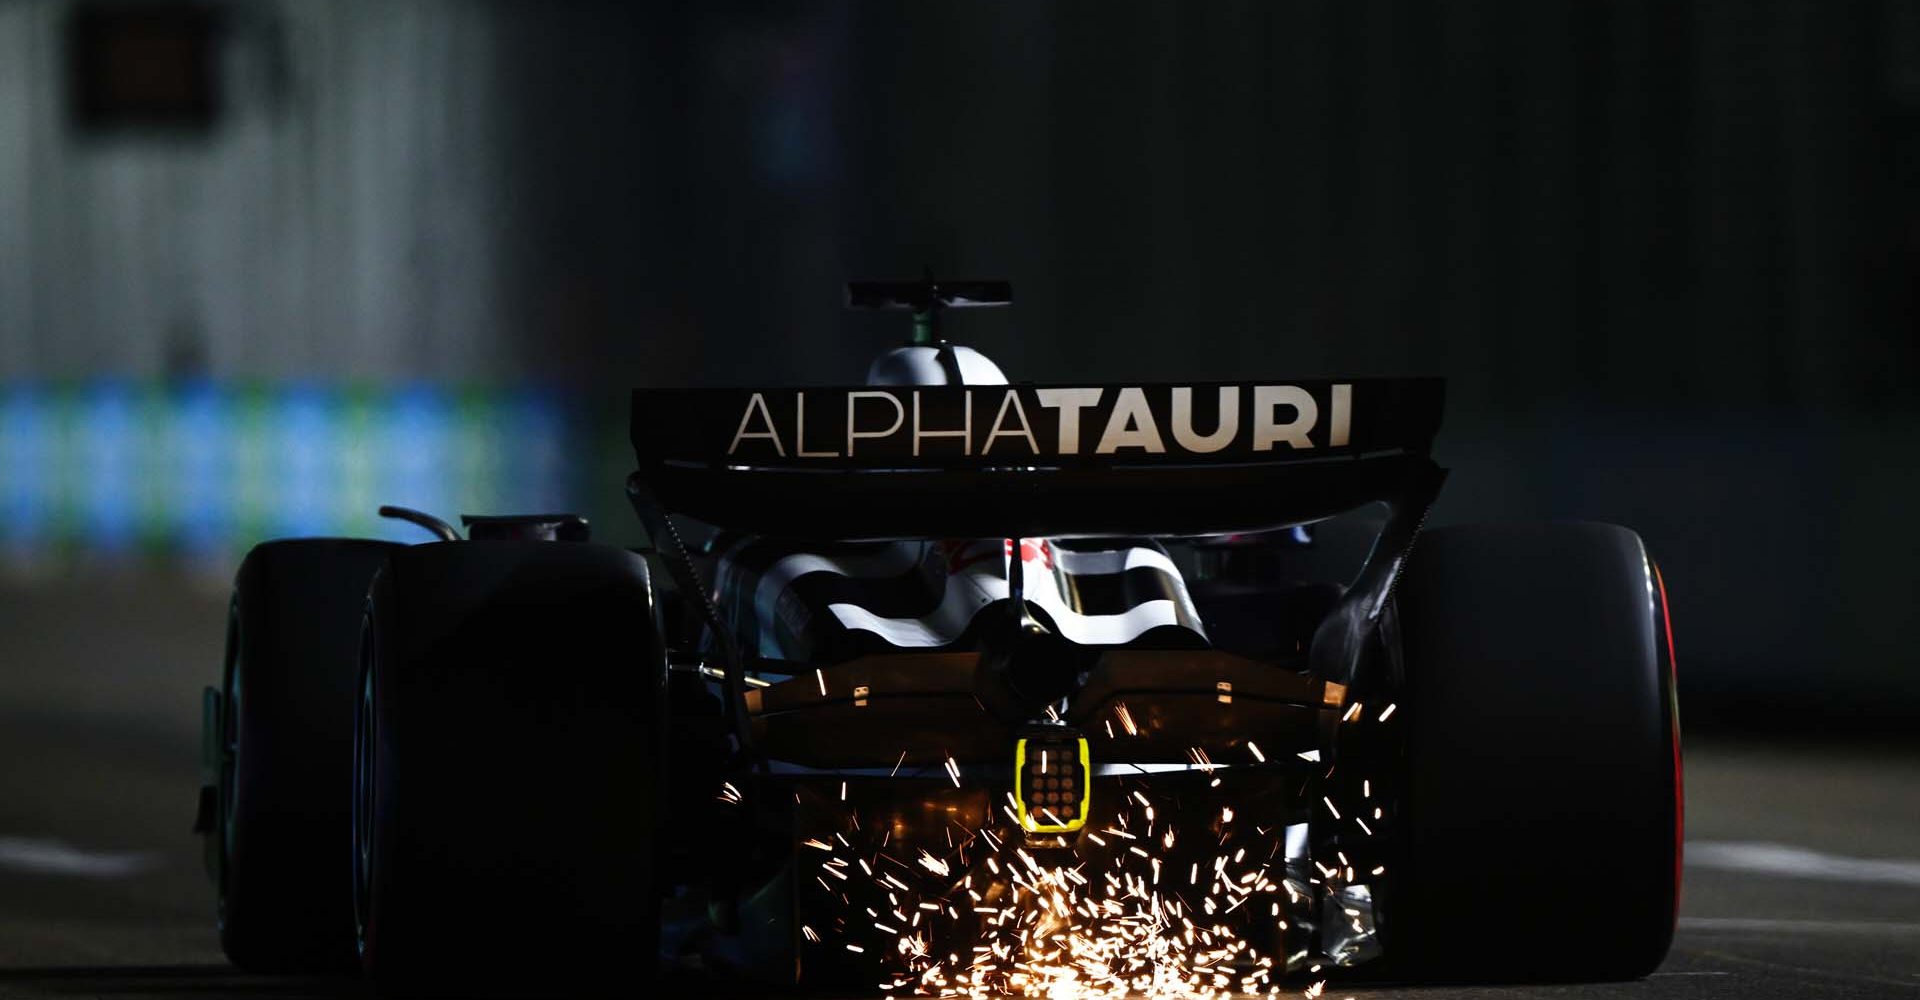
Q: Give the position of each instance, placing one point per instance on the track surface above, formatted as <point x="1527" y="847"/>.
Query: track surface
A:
<point x="1803" y="872"/>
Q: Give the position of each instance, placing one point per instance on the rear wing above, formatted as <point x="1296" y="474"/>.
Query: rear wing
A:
<point x="879" y="462"/>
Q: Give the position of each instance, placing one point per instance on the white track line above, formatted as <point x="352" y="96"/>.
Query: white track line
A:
<point x="52" y="857"/>
<point x="1787" y="861"/>
<point x="1758" y="926"/>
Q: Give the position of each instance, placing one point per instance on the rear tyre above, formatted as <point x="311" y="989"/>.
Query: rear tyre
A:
<point x="1542" y="762"/>
<point x="286" y="734"/>
<point x="508" y="760"/>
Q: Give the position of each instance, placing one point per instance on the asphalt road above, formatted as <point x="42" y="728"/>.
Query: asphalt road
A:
<point x="1803" y="876"/>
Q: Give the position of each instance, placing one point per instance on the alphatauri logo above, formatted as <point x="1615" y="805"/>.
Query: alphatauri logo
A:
<point x="1024" y="423"/>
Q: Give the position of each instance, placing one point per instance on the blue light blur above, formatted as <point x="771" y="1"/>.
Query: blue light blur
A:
<point x="201" y="470"/>
<point x="27" y="447"/>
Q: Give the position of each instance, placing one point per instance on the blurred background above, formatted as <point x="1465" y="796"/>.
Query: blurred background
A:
<point x="265" y="264"/>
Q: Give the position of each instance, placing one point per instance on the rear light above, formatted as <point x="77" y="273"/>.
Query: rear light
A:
<point x="1052" y="781"/>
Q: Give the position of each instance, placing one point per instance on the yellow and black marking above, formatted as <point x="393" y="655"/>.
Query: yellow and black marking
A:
<point x="1052" y="783"/>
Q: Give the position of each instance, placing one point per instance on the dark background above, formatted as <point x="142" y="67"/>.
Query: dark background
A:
<point x="265" y="264"/>
<point x="1665" y="252"/>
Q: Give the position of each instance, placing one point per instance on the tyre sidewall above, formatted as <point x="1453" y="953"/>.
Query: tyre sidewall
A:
<point x="287" y="682"/>
<point x="1541" y="798"/>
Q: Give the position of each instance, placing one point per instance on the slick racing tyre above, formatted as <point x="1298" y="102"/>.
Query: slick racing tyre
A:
<point x="507" y="757"/>
<point x="1543" y="787"/>
<point x="286" y="749"/>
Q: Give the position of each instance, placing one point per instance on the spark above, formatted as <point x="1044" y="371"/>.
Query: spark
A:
<point x="933" y="864"/>
<point x="822" y="678"/>
<point x="1126" y="718"/>
<point x="1053" y="928"/>
<point x="1353" y="712"/>
<point x="1384" y="716"/>
<point x="1257" y="755"/>
<point x="1330" y="806"/>
<point x="953" y="770"/>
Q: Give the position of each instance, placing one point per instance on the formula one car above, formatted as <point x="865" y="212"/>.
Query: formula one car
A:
<point x="956" y="685"/>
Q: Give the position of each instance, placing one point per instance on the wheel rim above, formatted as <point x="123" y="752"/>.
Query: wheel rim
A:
<point x="363" y="791"/>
